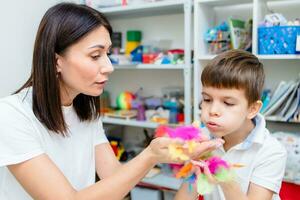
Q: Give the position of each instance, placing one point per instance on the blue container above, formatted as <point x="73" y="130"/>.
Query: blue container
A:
<point x="278" y="39"/>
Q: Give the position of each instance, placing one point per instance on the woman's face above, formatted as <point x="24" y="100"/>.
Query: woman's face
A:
<point x="85" y="66"/>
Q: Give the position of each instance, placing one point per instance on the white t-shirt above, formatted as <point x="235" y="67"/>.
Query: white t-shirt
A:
<point x="264" y="159"/>
<point x="23" y="137"/>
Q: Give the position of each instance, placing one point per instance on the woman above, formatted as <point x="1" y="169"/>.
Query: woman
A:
<point x="51" y="138"/>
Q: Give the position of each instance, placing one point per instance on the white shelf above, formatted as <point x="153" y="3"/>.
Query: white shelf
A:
<point x="151" y="8"/>
<point x="154" y="11"/>
<point x="209" y="13"/>
<point x="164" y="180"/>
<point x="150" y="66"/>
<point x="282" y="1"/>
<point x="281" y="121"/>
<point x="223" y="2"/>
<point x="206" y="57"/>
<point x="262" y="57"/>
<point x="278" y="57"/>
<point x="129" y="122"/>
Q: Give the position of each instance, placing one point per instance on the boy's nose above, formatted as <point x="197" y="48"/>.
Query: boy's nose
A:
<point x="214" y="110"/>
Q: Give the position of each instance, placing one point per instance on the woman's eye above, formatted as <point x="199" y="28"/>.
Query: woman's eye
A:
<point x="206" y="100"/>
<point x="95" y="57"/>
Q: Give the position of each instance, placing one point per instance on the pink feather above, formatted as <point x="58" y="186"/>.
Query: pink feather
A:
<point x="215" y="163"/>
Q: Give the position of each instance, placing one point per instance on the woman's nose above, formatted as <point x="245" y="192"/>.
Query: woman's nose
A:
<point x="107" y="68"/>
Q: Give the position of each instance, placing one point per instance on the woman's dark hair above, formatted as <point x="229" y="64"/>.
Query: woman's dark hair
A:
<point x="62" y="26"/>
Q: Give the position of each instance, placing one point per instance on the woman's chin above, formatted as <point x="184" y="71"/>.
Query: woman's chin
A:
<point x="94" y="93"/>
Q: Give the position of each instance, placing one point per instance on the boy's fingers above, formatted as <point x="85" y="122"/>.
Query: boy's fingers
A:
<point x="209" y="176"/>
<point x="202" y="138"/>
<point x="207" y="146"/>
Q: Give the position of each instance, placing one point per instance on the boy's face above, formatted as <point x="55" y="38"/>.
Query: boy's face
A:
<point x="225" y="111"/>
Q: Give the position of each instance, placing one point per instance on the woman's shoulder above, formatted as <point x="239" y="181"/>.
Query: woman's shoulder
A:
<point x="15" y="104"/>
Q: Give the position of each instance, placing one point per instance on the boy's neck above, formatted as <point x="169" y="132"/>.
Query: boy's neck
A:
<point x="238" y="137"/>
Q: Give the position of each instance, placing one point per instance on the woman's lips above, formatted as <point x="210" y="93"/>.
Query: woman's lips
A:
<point x="101" y="83"/>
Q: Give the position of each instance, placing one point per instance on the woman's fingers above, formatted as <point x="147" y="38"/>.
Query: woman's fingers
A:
<point x="164" y="142"/>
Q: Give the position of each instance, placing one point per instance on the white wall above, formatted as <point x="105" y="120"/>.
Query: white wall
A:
<point x="19" y="22"/>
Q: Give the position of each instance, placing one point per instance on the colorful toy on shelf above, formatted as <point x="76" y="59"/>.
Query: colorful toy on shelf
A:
<point x="193" y="170"/>
<point x="124" y="100"/>
<point x="133" y="41"/>
<point x="138" y="104"/>
<point x="118" y="149"/>
<point x="218" y="38"/>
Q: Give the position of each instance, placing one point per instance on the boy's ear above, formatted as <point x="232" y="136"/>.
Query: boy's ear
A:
<point x="254" y="109"/>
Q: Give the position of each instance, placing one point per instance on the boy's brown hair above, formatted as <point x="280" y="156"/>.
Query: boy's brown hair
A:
<point x="235" y="69"/>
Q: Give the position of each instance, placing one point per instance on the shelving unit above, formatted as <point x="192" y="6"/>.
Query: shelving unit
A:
<point x="149" y="66"/>
<point x="208" y="13"/>
<point x="138" y="73"/>
<point x="129" y="122"/>
<point x="161" y="9"/>
<point x="153" y="8"/>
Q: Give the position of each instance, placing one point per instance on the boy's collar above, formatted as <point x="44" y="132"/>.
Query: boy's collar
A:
<point x="255" y="135"/>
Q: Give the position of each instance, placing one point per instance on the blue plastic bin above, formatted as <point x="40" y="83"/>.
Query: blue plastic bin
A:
<point x="278" y="39"/>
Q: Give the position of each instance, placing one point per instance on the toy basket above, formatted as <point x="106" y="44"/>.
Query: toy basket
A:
<point x="278" y="39"/>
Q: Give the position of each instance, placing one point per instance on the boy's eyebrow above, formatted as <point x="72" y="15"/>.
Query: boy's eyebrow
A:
<point x="225" y="97"/>
<point x="205" y="93"/>
<point x="229" y="98"/>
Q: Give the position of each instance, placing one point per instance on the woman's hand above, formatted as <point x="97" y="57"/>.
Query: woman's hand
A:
<point x="159" y="152"/>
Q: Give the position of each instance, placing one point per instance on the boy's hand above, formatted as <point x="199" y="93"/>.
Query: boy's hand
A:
<point x="205" y="146"/>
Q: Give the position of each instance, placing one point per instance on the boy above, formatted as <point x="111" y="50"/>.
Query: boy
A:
<point x="232" y="84"/>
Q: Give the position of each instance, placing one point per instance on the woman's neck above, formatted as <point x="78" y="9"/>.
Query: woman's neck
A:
<point x="66" y="95"/>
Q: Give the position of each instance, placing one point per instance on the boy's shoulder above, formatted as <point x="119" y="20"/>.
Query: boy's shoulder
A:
<point x="272" y="143"/>
<point x="269" y="144"/>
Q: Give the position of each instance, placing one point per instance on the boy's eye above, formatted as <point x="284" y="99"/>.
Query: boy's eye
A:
<point x="206" y="100"/>
<point x="229" y="104"/>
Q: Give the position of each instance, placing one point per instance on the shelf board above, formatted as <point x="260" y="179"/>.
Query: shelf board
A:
<point x="281" y="121"/>
<point x="223" y="2"/>
<point x="262" y="57"/>
<point x="278" y="57"/>
<point x="206" y="57"/>
<point x="282" y="2"/>
<point x="150" y="66"/>
<point x="164" y="180"/>
<point x="151" y="8"/>
<point x="129" y="122"/>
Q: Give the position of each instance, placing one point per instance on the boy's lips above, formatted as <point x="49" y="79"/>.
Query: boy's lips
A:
<point x="212" y="125"/>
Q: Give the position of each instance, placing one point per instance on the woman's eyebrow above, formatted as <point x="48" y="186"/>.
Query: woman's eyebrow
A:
<point x="97" y="46"/>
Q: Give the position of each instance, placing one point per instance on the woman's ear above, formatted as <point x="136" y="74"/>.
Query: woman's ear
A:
<point x="58" y="63"/>
<point x="254" y="108"/>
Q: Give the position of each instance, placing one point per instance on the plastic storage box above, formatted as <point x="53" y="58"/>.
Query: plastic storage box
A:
<point x="139" y="193"/>
<point x="278" y="39"/>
